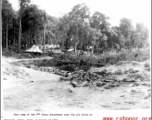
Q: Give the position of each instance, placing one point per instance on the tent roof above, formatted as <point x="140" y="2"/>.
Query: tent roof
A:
<point x="70" y="49"/>
<point x="35" y="49"/>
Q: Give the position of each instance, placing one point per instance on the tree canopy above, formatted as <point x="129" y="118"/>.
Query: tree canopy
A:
<point x="78" y="29"/>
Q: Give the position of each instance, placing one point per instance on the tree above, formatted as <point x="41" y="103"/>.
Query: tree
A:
<point x="126" y="28"/>
<point x="33" y="25"/>
<point x="94" y="35"/>
<point x="113" y="35"/>
<point x="44" y="19"/>
<point x="99" y="22"/>
<point x="141" y="35"/>
<point x="116" y="40"/>
<point x="8" y="15"/>
<point x="79" y="17"/>
<point x="23" y="4"/>
<point x="64" y="31"/>
<point x="51" y="29"/>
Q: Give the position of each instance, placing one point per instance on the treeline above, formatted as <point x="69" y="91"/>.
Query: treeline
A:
<point x="31" y="25"/>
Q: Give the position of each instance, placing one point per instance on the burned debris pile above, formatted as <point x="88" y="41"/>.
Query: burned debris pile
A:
<point x="82" y="79"/>
<point x="103" y="79"/>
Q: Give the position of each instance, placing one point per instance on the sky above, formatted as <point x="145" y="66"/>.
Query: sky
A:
<point x="139" y="11"/>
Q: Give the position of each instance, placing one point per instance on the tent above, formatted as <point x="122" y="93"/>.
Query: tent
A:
<point x="71" y="49"/>
<point x="34" y="49"/>
<point x="53" y="46"/>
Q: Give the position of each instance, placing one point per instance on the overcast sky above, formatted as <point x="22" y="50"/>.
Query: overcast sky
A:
<point x="136" y="10"/>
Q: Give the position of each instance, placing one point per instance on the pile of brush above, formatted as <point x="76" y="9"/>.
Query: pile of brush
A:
<point x="103" y="79"/>
<point x="81" y="79"/>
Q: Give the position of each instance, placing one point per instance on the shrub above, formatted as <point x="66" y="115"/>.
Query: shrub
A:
<point x="147" y="66"/>
<point x="133" y="54"/>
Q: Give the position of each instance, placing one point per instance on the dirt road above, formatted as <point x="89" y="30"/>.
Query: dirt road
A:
<point x="11" y="59"/>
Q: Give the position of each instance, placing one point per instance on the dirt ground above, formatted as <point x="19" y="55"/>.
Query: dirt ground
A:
<point x="25" y="89"/>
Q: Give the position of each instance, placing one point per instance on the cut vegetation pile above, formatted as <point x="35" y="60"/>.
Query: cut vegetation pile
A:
<point x="83" y="79"/>
<point x="105" y="79"/>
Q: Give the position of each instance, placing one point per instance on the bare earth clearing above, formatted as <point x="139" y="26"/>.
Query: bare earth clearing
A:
<point x="25" y="89"/>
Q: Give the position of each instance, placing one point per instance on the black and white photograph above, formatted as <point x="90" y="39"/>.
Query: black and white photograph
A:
<point x="75" y="55"/>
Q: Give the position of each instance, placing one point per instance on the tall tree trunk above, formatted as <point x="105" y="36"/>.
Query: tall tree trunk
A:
<point x="92" y="49"/>
<point x="4" y="37"/>
<point x="35" y="42"/>
<point x="76" y="40"/>
<point x="49" y="40"/>
<point x="112" y="44"/>
<point x="7" y="36"/>
<point x="44" y="40"/>
<point x="30" y="39"/>
<point x="66" y="43"/>
<point x="51" y="44"/>
<point x="20" y="27"/>
<point x="28" y="42"/>
<point x="93" y="46"/>
<point x="37" y="38"/>
<point x="19" y="39"/>
<point x="62" y="43"/>
<point x="14" y="37"/>
<point x="41" y="38"/>
<point x="75" y="47"/>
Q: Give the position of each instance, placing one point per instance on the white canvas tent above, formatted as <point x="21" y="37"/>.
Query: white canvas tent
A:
<point x="71" y="49"/>
<point x="34" y="49"/>
<point x="53" y="46"/>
